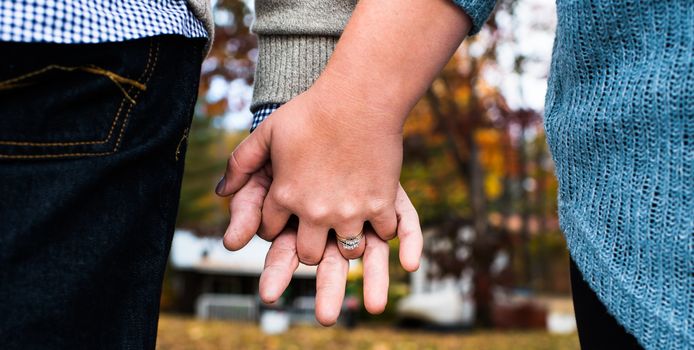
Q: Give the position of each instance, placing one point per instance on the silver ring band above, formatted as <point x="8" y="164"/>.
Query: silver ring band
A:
<point x="352" y="242"/>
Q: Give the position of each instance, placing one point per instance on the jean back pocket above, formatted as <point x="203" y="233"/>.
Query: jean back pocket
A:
<point x="73" y="101"/>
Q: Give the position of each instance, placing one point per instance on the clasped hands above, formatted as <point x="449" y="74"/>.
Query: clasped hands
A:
<point x="335" y="166"/>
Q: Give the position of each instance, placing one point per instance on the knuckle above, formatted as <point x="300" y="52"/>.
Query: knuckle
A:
<point x="247" y="199"/>
<point x="308" y="258"/>
<point x="347" y="212"/>
<point x="265" y="233"/>
<point x="318" y="213"/>
<point x="283" y="195"/>
<point x="385" y="232"/>
<point x="234" y="163"/>
<point x="389" y="235"/>
<point x="331" y="260"/>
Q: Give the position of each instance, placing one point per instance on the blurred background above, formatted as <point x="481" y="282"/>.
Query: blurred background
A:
<point x="476" y="166"/>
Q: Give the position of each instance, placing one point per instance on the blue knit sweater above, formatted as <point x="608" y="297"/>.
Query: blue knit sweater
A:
<point x="619" y="118"/>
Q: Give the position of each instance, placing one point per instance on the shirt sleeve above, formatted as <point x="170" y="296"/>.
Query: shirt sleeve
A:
<point x="295" y="40"/>
<point x="477" y="10"/>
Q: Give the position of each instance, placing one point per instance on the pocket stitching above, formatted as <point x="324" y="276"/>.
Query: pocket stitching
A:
<point x="125" y="120"/>
<point x="78" y="143"/>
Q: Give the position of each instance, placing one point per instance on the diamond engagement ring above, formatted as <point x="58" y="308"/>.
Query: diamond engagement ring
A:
<point x="350" y="243"/>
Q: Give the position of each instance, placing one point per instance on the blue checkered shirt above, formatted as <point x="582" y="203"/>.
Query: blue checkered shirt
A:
<point x="262" y="113"/>
<point x="95" y="21"/>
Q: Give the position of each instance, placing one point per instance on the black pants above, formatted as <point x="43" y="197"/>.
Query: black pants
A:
<point x="597" y="329"/>
<point x="91" y="158"/>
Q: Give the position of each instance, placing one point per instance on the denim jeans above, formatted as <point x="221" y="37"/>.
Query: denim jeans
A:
<point x="92" y="146"/>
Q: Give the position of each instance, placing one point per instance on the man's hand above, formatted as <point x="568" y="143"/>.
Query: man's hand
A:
<point x="331" y="277"/>
<point x="282" y="259"/>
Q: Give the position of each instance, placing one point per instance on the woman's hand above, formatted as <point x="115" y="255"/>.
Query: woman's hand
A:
<point x="336" y="149"/>
<point x="246" y="207"/>
<point x="334" y="165"/>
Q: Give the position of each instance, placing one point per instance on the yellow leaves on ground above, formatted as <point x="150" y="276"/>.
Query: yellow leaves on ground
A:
<point x="178" y="333"/>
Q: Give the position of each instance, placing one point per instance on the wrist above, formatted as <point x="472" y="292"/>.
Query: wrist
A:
<point x="350" y="102"/>
<point x="386" y="59"/>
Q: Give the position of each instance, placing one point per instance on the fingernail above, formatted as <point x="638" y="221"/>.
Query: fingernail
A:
<point x="220" y="186"/>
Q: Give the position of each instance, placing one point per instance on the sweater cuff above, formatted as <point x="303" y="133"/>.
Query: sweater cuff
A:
<point x="477" y="10"/>
<point x="288" y="65"/>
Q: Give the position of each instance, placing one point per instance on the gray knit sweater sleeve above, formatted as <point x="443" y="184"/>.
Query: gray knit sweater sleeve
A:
<point x="295" y="40"/>
<point x="297" y="37"/>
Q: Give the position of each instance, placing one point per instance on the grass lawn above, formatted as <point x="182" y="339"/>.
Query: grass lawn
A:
<point x="176" y="332"/>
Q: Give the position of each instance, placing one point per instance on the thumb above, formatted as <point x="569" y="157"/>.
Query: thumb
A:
<point x="248" y="157"/>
